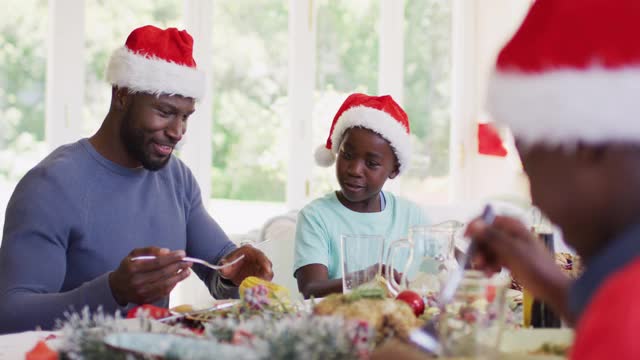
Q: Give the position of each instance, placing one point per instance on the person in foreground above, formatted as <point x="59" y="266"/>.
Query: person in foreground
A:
<point x="566" y="85"/>
<point x="370" y="137"/>
<point x="76" y="219"/>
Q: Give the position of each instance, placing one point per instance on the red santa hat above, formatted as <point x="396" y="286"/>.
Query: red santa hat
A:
<point x="571" y="73"/>
<point x="157" y="61"/>
<point x="380" y="114"/>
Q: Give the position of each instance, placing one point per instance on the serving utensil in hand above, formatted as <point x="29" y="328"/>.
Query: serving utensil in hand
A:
<point x="193" y="260"/>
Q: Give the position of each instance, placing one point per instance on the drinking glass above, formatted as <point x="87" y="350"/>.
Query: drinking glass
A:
<point x="361" y="257"/>
<point x="472" y="323"/>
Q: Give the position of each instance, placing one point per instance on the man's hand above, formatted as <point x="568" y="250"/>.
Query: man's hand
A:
<point x="147" y="281"/>
<point x="507" y="242"/>
<point x="255" y="263"/>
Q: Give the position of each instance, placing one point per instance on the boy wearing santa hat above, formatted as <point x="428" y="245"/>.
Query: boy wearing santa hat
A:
<point x="369" y="137"/>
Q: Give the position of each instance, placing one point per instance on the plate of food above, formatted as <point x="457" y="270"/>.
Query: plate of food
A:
<point x="190" y="309"/>
<point x="194" y="318"/>
<point x="537" y="344"/>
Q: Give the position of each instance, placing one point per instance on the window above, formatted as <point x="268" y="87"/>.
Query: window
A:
<point x="107" y="24"/>
<point x="250" y="101"/>
<point x="347" y="62"/>
<point x="427" y="99"/>
<point x="249" y="137"/>
<point x="23" y="65"/>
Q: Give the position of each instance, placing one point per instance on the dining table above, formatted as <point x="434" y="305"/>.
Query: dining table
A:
<point x="16" y="345"/>
<point x="517" y="344"/>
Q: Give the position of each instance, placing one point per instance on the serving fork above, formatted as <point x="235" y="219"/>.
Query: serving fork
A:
<point x="194" y="260"/>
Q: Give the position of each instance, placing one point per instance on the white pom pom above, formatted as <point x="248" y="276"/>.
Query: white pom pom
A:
<point x="324" y="157"/>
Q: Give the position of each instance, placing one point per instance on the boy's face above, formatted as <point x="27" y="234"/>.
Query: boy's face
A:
<point x="365" y="161"/>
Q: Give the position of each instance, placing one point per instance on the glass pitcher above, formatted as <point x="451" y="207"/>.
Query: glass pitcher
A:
<point x="430" y="258"/>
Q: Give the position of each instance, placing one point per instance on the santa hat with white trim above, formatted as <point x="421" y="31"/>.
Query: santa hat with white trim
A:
<point x="157" y="61"/>
<point x="571" y="74"/>
<point x="381" y="114"/>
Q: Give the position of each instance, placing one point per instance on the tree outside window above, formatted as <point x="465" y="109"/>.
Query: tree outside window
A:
<point x="427" y="99"/>
<point x="23" y="54"/>
<point x="250" y="51"/>
<point x="346" y="62"/>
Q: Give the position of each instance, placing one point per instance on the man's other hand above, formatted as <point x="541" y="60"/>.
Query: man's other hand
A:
<point x="255" y="263"/>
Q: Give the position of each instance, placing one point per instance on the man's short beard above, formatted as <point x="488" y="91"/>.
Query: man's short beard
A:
<point x="134" y="142"/>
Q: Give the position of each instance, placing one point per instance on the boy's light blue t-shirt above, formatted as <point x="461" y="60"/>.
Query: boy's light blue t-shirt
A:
<point x="322" y="222"/>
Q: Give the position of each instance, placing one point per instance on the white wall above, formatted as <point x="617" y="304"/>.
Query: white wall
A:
<point x="481" y="27"/>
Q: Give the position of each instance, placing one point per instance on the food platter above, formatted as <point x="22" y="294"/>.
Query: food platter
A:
<point x="531" y="343"/>
<point x="517" y="344"/>
<point x="262" y="324"/>
<point x="188" y="312"/>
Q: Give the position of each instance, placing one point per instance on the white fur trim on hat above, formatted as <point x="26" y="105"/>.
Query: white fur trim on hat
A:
<point x="324" y="157"/>
<point x="154" y="76"/>
<point x="567" y="106"/>
<point x="380" y="122"/>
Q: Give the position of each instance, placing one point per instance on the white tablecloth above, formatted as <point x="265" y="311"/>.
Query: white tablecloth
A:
<point x="15" y="346"/>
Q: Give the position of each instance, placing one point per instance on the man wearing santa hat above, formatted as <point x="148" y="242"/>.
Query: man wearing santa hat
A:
<point x="77" y="219"/>
<point x="566" y="85"/>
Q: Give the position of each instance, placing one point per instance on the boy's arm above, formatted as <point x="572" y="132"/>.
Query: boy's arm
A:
<point x="313" y="280"/>
<point x="311" y="257"/>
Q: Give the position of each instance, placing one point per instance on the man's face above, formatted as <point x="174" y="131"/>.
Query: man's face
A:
<point x="365" y="161"/>
<point x="153" y="125"/>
